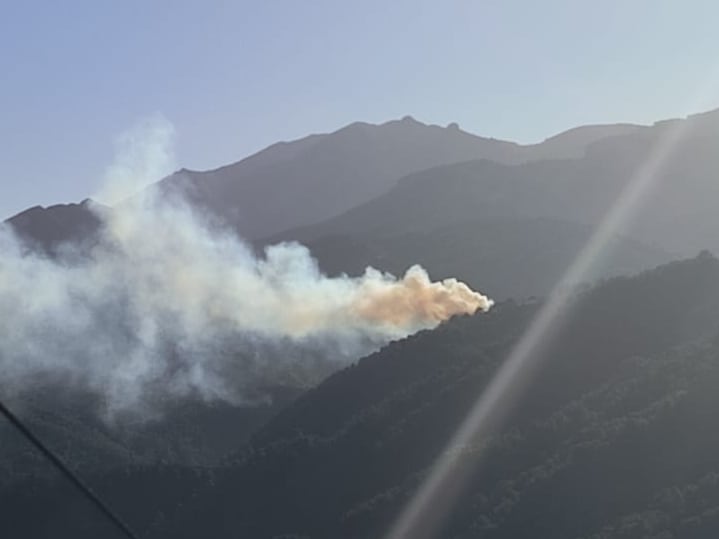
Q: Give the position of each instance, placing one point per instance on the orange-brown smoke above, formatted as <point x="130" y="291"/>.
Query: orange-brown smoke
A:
<point x="415" y="301"/>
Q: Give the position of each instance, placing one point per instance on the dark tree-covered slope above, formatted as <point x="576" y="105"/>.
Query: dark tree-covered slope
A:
<point x="614" y="437"/>
<point x="614" y="434"/>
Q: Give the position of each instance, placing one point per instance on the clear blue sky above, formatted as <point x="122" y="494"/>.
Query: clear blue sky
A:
<point x="235" y="76"/>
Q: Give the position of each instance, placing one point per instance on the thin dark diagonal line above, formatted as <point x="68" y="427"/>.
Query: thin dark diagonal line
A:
<point x="67" y="472"/>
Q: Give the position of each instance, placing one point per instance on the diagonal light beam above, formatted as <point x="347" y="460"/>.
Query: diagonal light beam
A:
<point x="423" y="515"/>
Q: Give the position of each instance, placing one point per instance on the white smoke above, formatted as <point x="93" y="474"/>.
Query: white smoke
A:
<point x="167" y="306"/>
<point x="143" y="155"/>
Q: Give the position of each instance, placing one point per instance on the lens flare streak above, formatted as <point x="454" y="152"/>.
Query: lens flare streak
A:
<point x="424" y="514"/>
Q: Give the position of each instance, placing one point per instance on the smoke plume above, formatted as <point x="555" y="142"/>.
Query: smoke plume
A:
<point x="168" y="305"/>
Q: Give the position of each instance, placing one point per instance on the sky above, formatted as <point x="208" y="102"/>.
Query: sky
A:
<point x="236" y="76"/>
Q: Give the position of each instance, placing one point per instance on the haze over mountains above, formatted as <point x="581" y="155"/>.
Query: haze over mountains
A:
<point x="320" y="176"/>
<point x="634" y="365"/>
<point x="383" y="194"/>
<point x="578" y="189"/>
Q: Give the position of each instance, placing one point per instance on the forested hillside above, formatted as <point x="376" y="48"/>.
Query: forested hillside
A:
<point x="613" y="435"/>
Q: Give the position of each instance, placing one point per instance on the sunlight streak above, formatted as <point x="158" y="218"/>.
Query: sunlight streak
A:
<point x="425" y="512"/>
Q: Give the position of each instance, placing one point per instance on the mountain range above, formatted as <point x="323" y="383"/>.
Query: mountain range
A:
<point x="613" y="437"/>
<point x="392" y="190"/>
